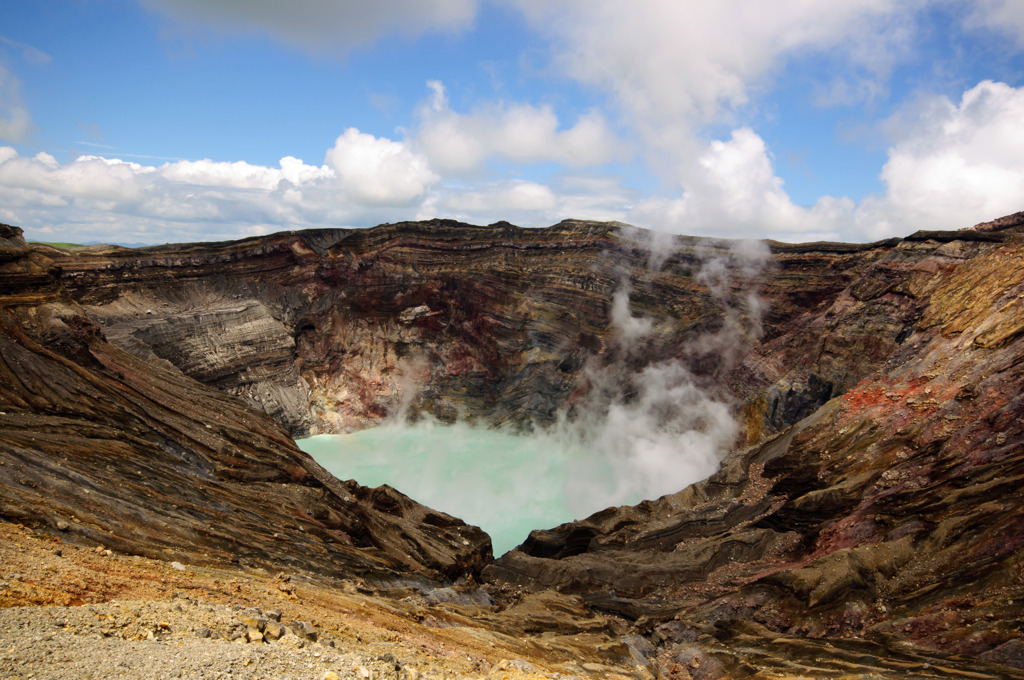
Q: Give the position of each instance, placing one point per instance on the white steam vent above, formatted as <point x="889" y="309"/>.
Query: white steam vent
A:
<point x="643" y="430"/>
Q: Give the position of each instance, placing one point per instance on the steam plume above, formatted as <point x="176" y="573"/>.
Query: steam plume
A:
<point x="648" y="429"/>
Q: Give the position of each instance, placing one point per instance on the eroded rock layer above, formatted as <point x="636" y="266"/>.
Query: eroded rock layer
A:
<point x="332" y="330"/>
<point x="892" y="515"/>
<point x="139" y="457"/>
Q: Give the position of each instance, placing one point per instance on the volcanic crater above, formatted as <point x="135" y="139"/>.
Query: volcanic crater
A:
<point x="866" y="518"/>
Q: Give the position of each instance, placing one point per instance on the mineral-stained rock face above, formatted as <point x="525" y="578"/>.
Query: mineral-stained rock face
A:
<point x="141" y="458"/>
<point x="868" y="522"/>
<point x="333" y="330"/>
<point x="822" y="354"/>
<point x="893" y="513"/>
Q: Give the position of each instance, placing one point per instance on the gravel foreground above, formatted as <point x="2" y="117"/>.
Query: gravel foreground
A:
<point x="78" y="612"/>
<point x="180" y="639"/>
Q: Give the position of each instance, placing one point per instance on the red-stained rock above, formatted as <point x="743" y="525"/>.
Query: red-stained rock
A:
<point x="893" y="513"/>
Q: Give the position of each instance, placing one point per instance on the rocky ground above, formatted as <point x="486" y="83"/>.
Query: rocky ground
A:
<point x="69" y="612"/>
<point x="78" y="612"/>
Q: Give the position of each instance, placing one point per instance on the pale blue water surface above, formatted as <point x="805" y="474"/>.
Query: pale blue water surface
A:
<point x="504" y="483"/>
<point x="669" y="436"/>
<point x="638" y="434"/>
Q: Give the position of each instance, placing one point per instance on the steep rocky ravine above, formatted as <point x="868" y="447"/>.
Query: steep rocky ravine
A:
<point x="866" y="525"/>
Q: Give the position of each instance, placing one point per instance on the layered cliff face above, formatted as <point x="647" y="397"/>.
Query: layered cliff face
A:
<point x="223" y="314"/>
<point x="866" y="523"/>
<point x="329" y="331"/>
<point x="891" y="515"/>
<point x="143" y="459"/>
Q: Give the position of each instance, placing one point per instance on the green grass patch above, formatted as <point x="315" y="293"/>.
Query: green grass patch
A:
<point x="57" y="244"/>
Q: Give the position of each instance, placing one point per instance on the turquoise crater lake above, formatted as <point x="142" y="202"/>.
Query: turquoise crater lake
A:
<point x="507" y="484"/>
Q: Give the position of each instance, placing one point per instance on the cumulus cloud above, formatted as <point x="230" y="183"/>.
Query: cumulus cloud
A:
<point x="363" y="180"/>
<point x="522" y="133"/>
<point x="672" y="70"/>
<point x="506" y="197"/>
<point x="325" y="25"/>
<point x="89" y="177"/>
<point x="94" y="198"/>
<point x="674" y="66"/>
<point x="732" y="189"/>
<point x="239" y="174"/>
<point x="379" y="171"/>
<point x="703" y="64"/>
<point x="531" y="204"/>
<point x="952" y="164"/>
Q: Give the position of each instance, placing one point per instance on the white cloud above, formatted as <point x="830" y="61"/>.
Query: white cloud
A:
<point x="379" y="171"/>
<point x="505" y="198"/>
<point x="953" y="164"/>
<point x="672" y="69"/>
<point x="364" y="180"/>
<point x="733" y="190"/>
<point x="325" y="25"/>
<point x="241" y="175"/>
<point x="88" y="177"/>
<point x="674" y="66"/>
<point x="1002" y="16"/>
<point x="531" y="204"/>
<point x="93" y="198"/>
<point x="521" y="133"/>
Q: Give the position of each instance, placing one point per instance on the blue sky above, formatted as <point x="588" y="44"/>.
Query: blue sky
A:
<point x="177" y="120"/>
